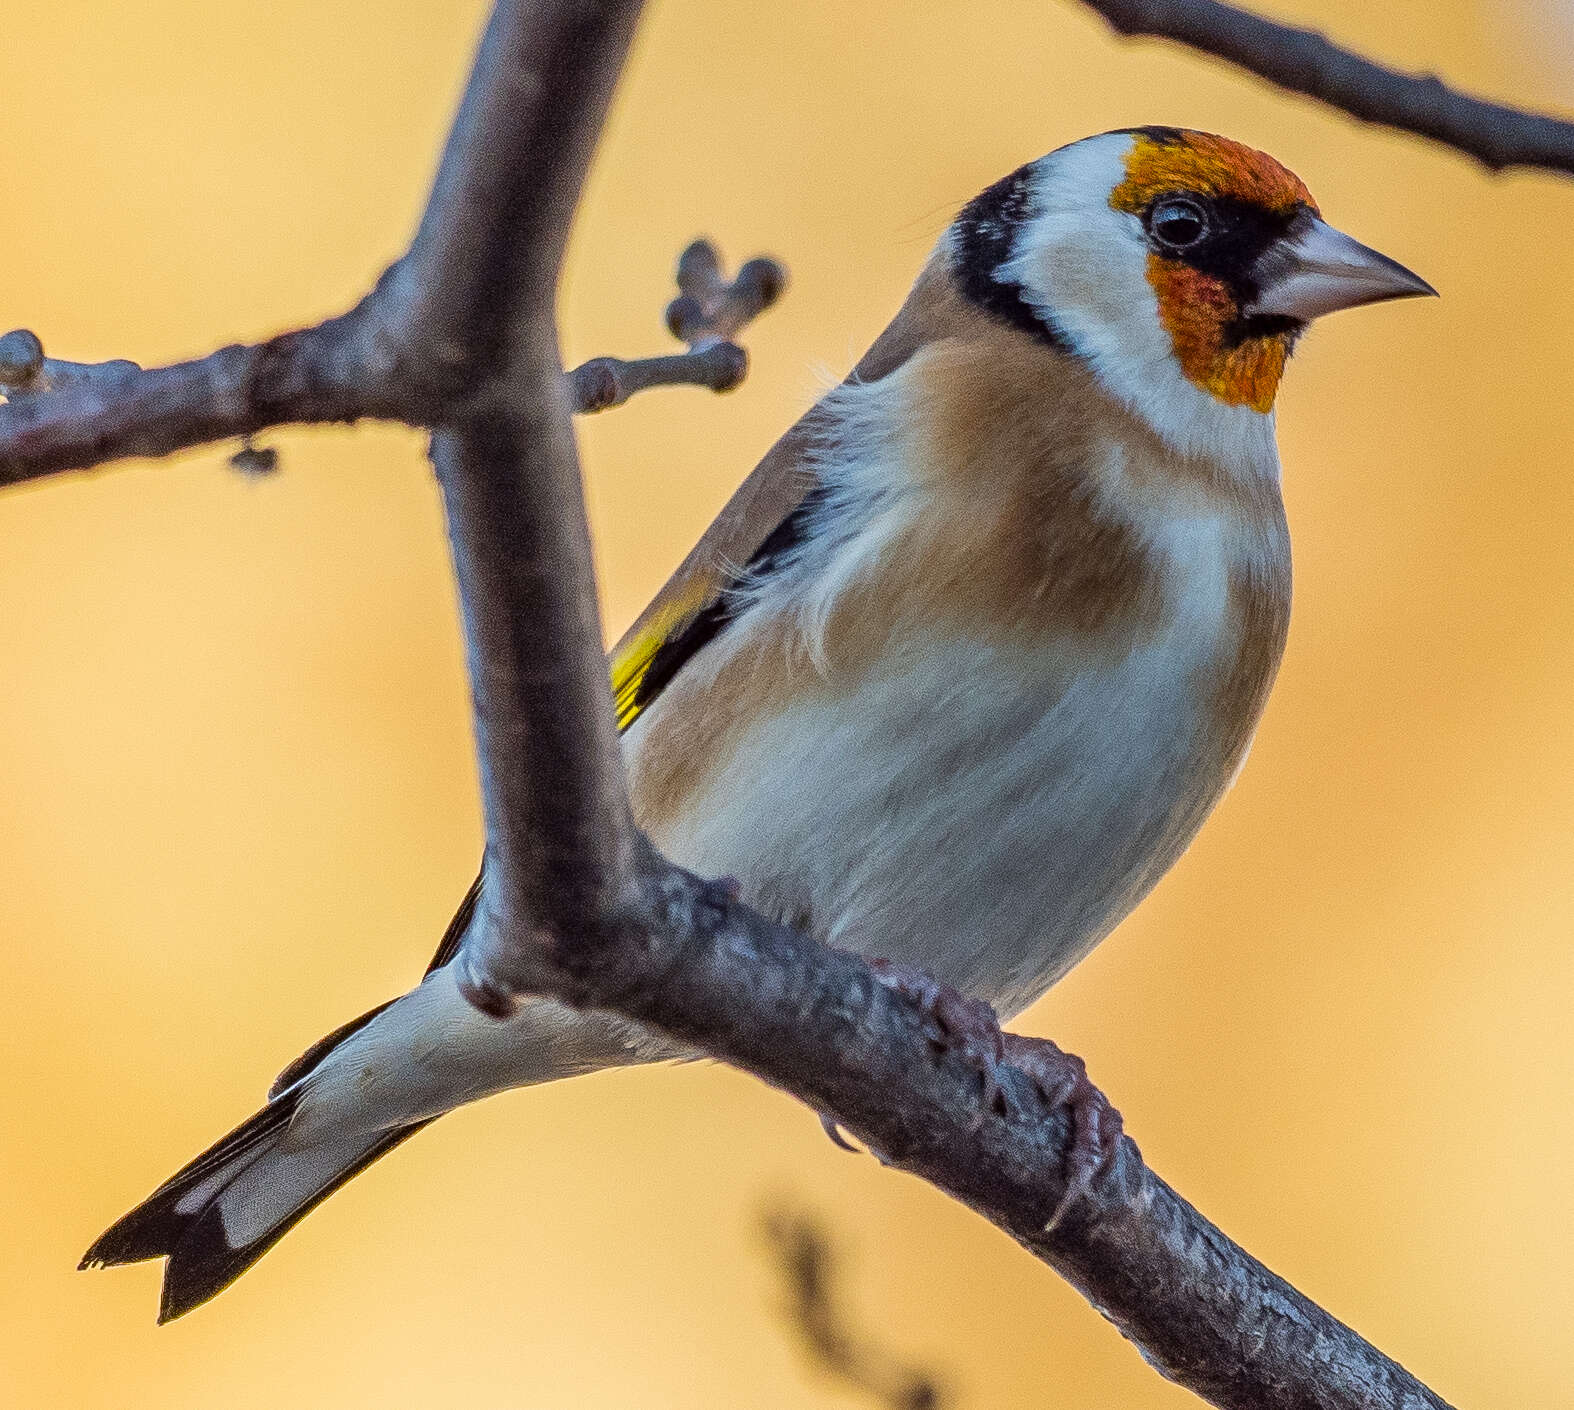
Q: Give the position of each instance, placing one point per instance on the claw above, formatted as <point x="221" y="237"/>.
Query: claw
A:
<point x="831" y="1129"/>
<point x="1096" y="1126"/>
<point x="966" y="1026"/>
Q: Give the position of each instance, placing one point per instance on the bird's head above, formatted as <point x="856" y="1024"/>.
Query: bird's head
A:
<point x="1180" y="266"/>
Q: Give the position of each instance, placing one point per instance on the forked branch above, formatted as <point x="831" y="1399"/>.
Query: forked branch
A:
<point x="709" y="312"/>
<point x="61" y="416"/>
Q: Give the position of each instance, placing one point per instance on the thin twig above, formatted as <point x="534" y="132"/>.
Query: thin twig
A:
<point x="708" y="314"/>
<point x="1305" y="61"/>
<point x="711" y="308"/>
<point x="26" y="372"/>
<point x="338" y="371"/>
<point x="606" y="382"/>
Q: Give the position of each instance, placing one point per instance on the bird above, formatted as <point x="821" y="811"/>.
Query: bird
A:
<point x="954" y="677"/>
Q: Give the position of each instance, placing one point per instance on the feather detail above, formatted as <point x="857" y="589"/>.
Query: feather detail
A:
<point x="729" y="554"/>
<point x="631" y="661"/>
<point x="1014" y="584"/>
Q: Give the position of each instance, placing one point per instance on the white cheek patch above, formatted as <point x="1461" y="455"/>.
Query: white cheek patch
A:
<point x="1082" y="265"/>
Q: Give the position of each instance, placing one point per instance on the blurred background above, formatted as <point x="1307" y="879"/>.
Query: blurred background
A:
<point x="237" y="799"/>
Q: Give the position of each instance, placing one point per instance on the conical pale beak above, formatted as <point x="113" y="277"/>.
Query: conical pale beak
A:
<point x="1317" y="269"/>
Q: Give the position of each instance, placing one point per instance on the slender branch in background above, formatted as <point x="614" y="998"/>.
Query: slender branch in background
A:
<point x="708" y="314"/>
<point x="1304" y="61"/>
<point x="61" y="416"/>
<point x="459" y="336"/>
<point x="803" y="1250"/>
<point x="74" y="416"/>
<point x="26" y="372"/>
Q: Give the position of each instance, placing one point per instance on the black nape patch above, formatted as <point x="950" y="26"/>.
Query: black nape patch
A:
<point x="985" y="236"/>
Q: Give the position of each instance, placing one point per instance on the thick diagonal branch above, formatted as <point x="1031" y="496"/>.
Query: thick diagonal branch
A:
<point x="1304" y="61"/>
<point x="818" y="1024"/>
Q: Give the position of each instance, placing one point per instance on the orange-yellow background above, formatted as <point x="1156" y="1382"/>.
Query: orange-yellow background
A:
<point x="236" y="791"/>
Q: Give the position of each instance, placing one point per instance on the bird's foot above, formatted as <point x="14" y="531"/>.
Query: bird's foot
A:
<point x="967" y="1027"/>
<point x="1096" y="1127"/>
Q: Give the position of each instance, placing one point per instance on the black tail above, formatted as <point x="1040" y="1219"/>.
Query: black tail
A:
<point x="221" y="1213"/>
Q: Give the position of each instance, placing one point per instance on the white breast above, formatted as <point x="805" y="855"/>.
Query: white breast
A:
<point x="983" y="813"/>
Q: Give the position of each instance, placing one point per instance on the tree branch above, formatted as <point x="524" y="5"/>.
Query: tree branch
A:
<point x="459" y="336"/>
<point x="708" y="313"/>
<point x="606" y="382"/>
<point x="477" y="294"/>
<point x="484" y="263"/>
<point x="26" y="372"/>
<point x="587" y="910"/>
<point x="62" y="416"/>
<point x="1304" y="61"/>
<point x="691" y="960"/>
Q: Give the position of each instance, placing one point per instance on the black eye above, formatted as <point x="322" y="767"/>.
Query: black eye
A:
<point x="1177" y="222"/>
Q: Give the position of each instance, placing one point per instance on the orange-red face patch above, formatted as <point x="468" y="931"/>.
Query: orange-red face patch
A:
<point x="1209" y="166"/>
<point x="1195" y="308"/>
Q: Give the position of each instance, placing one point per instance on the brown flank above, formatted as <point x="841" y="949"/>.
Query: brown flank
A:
<point x="1014" y="546"/>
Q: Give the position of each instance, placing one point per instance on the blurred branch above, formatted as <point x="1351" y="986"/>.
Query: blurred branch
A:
<point x="459" y="336"/>
<point x="801" y="1247"/>
<point x="1304" y="61"/>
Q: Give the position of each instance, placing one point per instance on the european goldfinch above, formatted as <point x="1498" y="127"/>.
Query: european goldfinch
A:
<point x="954" y="677"/>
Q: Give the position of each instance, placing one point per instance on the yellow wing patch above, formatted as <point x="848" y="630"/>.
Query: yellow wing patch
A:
<point x="632" y="657"/>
